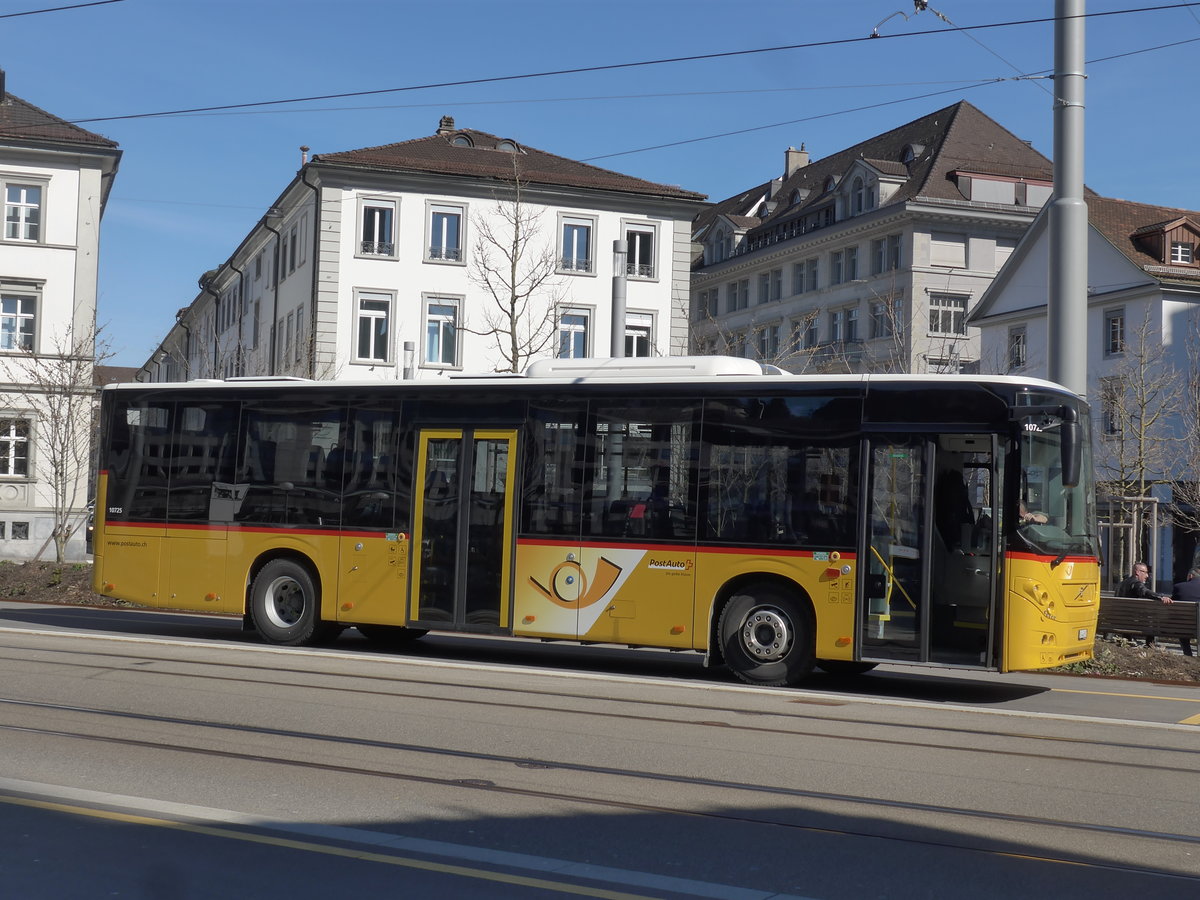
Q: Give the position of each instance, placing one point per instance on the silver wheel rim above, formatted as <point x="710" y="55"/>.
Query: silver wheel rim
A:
<point x="284" y="602"/>
<point x="767" y="633"/>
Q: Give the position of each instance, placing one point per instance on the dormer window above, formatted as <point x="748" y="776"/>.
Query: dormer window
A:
<point x="911" y="152"/>
<point x="507" y="146"/>
<point x="461" y="140"/>
<point x="1183" y="253"/>
<point x="830" y="183"/>
<point x="862" y="195"/>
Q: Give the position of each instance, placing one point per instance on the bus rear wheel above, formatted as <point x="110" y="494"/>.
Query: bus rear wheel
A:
<point x="283" y="603"/>
<point x="767" y="636"/>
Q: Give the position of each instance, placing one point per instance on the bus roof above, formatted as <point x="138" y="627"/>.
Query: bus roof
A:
<point x="709" y="369"/>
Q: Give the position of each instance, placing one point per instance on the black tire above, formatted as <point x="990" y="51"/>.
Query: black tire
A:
<point x="284" y="604"/>
<point x="767" y="636"/>
<point x="391" y="635"/>
<point x="844" y="666"/>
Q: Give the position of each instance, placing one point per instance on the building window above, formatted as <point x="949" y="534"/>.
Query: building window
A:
<point x="768" y="342"/>
<point x="576" y="245"/>
<point x="441" y="331"/>
<point x="836" y="263"/>
<point x="289" y="337"/>
<point x="885" y="254"/>
<point x="737" y="294"/>
<point x="639" y="327"/>
<point x="1114" y="332"/>
<point x="293" y="248"/>
<point x="947" y="314"/>
<point x="23" y="212"/>
<point x="14" y="447"/>
<point x="573" y="334"/>
<point x="885" y="318"/>
<point x="1183" y="252"/>
<point x="851" y="272"/>
<point x="445" y="233"/>
<point x="1018" y="348"/>
<point x="378" y="236"/>
<point x="837" y="325"/>
<point x="770" y="286"/>
<point x="1110" y="406"/>
<point x="20" y="531"/>
<point x="18" y="320"/>
<point x="852" y="324"/>
<point x="301" y="343"/>
<point x="639" y="244"/>
<point x="811" y="274"/>
<point x="374" y="327"/>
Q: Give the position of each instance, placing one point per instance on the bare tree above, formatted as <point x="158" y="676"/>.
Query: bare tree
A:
<point x="517" y="270"/>
<point x="1138" y="400"/>
<point x="58" y="388"/>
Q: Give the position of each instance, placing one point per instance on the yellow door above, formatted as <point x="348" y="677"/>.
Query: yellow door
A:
<point x="463" y="530"/>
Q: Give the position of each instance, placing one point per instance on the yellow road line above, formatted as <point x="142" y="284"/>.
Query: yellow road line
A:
<point x="1195" y="699"/>
<point x="309" y="846"/>
<point x="1190" y="720"/>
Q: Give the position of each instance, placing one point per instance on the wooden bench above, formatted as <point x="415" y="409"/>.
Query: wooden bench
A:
<point x="1148" y="618"/>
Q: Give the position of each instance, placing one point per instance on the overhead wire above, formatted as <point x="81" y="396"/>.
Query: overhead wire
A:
<point x="34" y="12"/>
<point x="608" y="67"/>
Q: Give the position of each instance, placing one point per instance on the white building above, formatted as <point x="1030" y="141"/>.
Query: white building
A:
<point x="1143" y="312"/>
<point x="384" y="262"/>
<point x="55" y="179"/>
<point x="871" y="258"/>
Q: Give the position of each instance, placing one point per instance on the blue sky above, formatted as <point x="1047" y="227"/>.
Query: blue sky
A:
<point x="191" y="186"/>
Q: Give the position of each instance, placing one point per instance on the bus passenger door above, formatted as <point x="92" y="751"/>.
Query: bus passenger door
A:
<point x="463" y="530"/>
<point x="927" y="575"/>
<point x="894" y="608"/>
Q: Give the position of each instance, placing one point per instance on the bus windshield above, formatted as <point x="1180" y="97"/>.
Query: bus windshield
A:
<point x="1053" y="517"/>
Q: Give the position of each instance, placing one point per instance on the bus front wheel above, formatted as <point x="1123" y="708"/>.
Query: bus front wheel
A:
<point x="767" y="636"/>
<point x="283" y="602"/>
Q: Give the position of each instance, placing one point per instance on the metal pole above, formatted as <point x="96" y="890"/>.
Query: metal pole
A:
<point x="410" y="349"/>
<point x="1066" y="306"/>
<point x="617" y="344"/>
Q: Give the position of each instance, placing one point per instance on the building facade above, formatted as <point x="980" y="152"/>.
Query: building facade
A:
<point x="461" y="251"/>
<point x="869" y="259"/>
<point x="55" y="179"/>
<point x="1143" y="369"/>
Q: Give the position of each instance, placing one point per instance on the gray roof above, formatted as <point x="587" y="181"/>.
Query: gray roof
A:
<point x="21" y="121"/>
<point x="484" y="158"/>
<point x="958" y="138"/>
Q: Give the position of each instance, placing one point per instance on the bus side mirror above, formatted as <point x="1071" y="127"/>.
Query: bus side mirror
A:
<point x="1072" y="452"/>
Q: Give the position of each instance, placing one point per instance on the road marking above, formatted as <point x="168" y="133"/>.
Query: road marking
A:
<point x="228" y="824"/>
<point x="1195" y="699"/>
<point x="1190" y="720"/>
<point x="310" y="847"/>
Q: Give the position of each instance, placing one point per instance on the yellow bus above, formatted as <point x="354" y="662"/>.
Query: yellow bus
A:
<point x="772" y="522"/>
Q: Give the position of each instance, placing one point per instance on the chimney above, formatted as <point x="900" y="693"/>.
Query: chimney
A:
<point x="1" y="85"/>
<point x="303" y="156"/>
<point x="794" y="159"/>
<point x="446" y="125"/>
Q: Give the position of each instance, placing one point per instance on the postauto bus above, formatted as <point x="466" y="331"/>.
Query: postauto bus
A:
<point x="771" y="522"/>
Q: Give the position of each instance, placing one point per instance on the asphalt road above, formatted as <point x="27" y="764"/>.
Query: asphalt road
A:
<point x="165" y="755"/>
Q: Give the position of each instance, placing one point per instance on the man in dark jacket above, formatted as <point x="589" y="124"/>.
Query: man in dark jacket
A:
<point x="1135" y="586"/>
<point x="1187" y="590"/>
